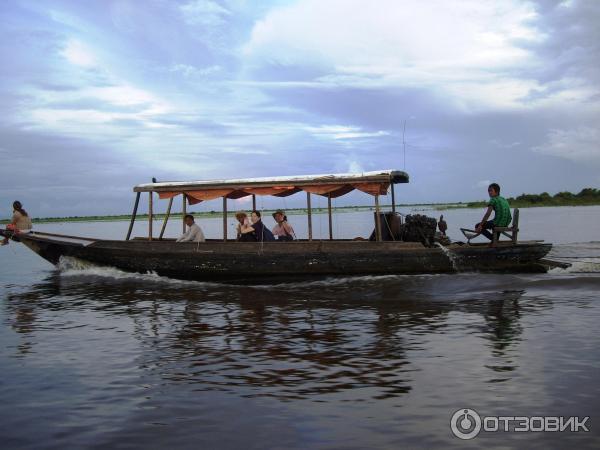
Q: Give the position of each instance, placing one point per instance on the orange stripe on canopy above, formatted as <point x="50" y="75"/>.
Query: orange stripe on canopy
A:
<point x="163" y="195"/>
<point x="287" y="192"/>
<point x="372" y="188"/>
<point x="323" y="189"/>
<point x="208" y="194"/>
<point x="331" y="190"/>
<point x="237" y="194"/>
<point x="274" y="190"/>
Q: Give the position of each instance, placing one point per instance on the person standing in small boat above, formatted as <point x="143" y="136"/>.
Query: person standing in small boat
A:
<point x="501" y="208"/>
<point x="194" y="232"/>
<point x="283" y="230"/>
<point x="258" y="229"/>
<point x="20" y="223"/>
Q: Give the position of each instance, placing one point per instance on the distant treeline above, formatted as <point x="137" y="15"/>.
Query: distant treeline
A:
<point x="587" y="196"/>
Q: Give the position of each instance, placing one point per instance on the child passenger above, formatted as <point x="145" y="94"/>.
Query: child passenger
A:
<point x="501" y="208"/>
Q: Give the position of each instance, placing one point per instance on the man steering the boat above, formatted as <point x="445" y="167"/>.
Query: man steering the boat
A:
<point x="501" y="208"/>
<point x="194" y="232"/>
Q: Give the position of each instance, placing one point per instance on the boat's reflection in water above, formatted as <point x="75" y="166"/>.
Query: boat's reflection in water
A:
<point x="365" y="337"/>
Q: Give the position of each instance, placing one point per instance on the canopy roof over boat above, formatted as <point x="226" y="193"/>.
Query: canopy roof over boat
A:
<point x="331" y="185"/>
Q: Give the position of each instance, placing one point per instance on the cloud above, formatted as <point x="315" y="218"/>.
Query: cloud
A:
<point x="204" y="89"/>
<point x="204" y="12"/>
<point x="79" y="54"/>
<point x="207" y="20"/>
<point x="504" y="145"/>
<point x="343" y="132"/>
<point x="571" y="46"/>
<point x="469" y="50"/>
<point x="192" y="71"/>
<point x="355" y="167"/>
<point x="581" y="144"/>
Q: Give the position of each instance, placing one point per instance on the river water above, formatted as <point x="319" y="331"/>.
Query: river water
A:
<point x="98" y="358"/>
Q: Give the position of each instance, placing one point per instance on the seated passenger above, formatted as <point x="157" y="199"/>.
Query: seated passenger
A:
<point x="501" y="208"/>
<point x="283" y="230"/>
<point x="260" y="232"/>
<point x="20" y="223"/>
<point x="194" y="232"/>
<point x="243" y="228"/>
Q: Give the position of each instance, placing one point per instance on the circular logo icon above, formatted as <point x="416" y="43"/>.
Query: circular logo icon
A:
<point x="465" y="423"/>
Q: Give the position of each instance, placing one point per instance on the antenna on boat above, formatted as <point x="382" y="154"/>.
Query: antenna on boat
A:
<point x="404" y="145"/>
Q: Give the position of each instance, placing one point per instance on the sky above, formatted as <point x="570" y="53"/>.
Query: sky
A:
<point x="98" y="96"/>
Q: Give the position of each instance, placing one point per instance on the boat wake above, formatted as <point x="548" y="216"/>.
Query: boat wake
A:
<point x="584" y="257"/>
<point x="70" y="267"/>
<point x="591" y="265"/>
<point x="73" y="267"/>
<point x="341" y="281"/>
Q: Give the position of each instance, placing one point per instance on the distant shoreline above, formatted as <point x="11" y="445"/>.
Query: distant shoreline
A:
<point x="296" y="211"/>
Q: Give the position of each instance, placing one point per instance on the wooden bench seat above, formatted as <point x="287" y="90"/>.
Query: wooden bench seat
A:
<point x="510" y="232"/>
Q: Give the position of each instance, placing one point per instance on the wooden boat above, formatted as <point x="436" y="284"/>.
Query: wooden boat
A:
<point x="228" y="260"/>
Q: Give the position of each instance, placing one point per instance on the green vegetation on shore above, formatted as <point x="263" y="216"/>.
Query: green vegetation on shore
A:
<point x="586" y="197"/>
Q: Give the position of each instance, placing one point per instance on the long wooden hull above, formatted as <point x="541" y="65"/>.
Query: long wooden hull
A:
<point x="218" y="260"/>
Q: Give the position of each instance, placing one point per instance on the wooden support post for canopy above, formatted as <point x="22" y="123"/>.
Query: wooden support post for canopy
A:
<point x="253" y="202"/>
<point x="330" y="220"/>
<point x="224" y="219"/>
<point x="164" y="225"/>
<point x="393" y="199"/>
<point x="377" y="220"/>
<point x="135" y="207"/>
<point x="309" y="213"/>
<point x="150" y="216"/>
<point x="184" y="211"/>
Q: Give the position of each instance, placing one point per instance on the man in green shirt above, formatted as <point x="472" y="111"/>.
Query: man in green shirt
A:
<point x="501" y="208"/>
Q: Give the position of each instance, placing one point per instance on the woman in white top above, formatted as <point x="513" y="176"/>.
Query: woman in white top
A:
<point x="21" y="222"/>
<point x="283" y="231"/>
<point x="243" y="229"/>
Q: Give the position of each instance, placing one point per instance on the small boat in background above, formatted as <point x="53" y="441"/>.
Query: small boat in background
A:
<point x="228" y="260"/>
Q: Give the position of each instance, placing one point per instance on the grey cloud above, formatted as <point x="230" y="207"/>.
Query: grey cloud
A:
<point x="373" y="108"/>
<point x="55" y="175"/>
<point x="572" y="44"/>
<point x="446" y="147"/>
<point x="57" y="87"/>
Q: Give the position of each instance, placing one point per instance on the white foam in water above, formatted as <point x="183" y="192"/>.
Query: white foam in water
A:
<point x="582" y="266"/>
<point x="346" y="280"/>
<point x="451" y="256"/>
<point x="330" y="282"/>
<point x="73" y="267"/>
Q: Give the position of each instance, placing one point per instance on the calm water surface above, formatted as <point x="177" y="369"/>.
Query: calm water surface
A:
<point x="97" y="358"/>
